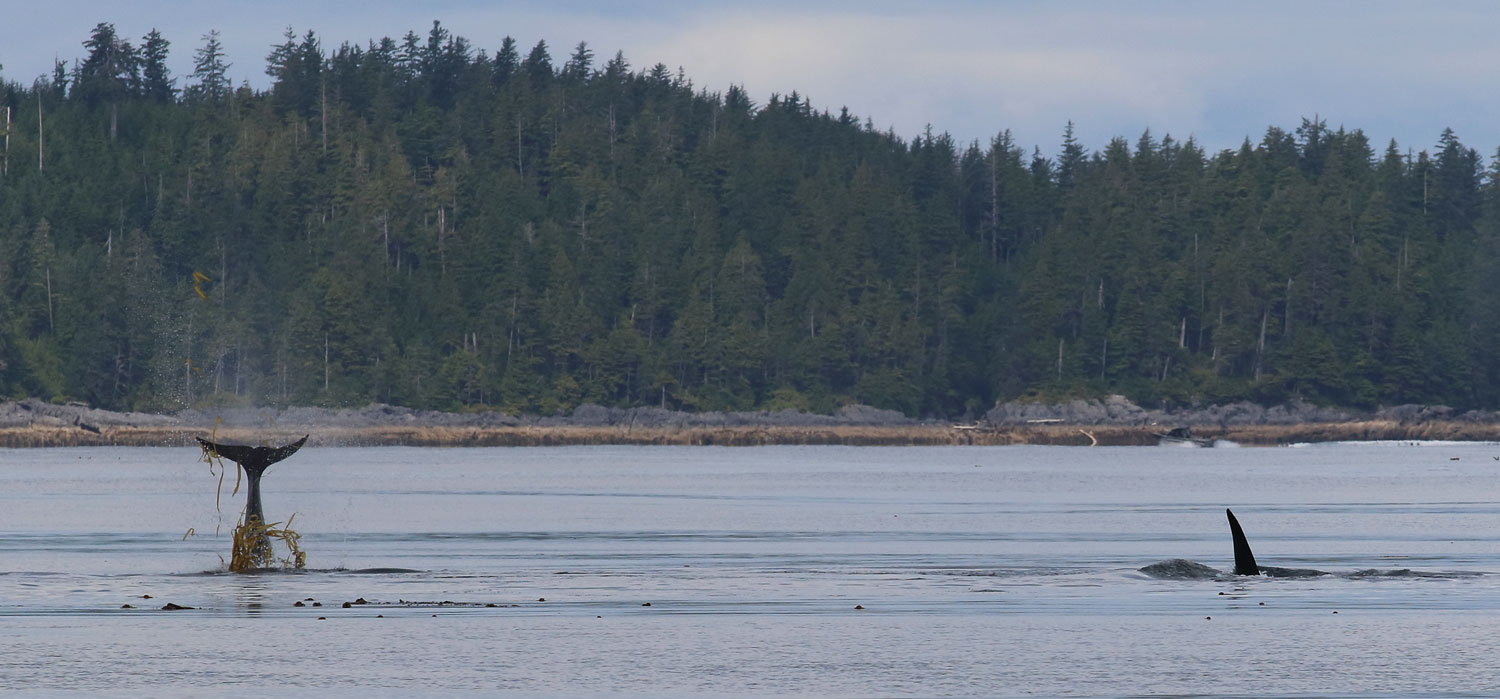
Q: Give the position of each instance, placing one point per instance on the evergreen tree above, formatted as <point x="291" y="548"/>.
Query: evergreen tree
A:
<point x="210" y="71"/>
<point x="580" y="65"/>
<point x="111" y="72"/>
<point x="507" y="60"/>
<point x="157" y="82"/>
<point x="538" y="66"/>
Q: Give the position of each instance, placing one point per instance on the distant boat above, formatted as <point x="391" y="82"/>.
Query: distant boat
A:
<point x="1181" y="437"/>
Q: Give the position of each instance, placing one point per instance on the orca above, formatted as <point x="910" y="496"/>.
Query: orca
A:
<point x="254" y="461"/>
<point x="1244" y="562"/>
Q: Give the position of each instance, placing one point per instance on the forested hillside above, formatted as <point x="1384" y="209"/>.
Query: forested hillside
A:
<point x="426" y="223"/>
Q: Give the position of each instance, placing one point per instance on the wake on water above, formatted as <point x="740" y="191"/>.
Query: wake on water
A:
<point x="1184" y="569"/>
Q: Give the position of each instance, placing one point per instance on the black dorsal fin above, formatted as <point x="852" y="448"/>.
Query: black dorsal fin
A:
<point x="1244" y="561"/>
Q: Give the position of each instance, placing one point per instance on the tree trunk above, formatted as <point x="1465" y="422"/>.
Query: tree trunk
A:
<point x="1059" y="359"/>
<point x="50" y="327"/>
<point x="442" y="255"/>
<point x="1286" y="321"/>
<point x="1260" y="345"/>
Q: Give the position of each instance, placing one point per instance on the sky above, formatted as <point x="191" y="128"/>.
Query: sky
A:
<point x="1214" y="71"/>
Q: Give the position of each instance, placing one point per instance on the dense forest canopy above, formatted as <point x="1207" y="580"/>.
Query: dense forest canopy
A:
<point x="419" y="222"/>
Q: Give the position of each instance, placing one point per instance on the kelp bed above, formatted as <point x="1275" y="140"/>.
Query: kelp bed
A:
<point x="248" y="554"/>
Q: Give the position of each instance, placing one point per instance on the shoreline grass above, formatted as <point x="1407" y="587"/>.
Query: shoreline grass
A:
<point x="905" y="435"/>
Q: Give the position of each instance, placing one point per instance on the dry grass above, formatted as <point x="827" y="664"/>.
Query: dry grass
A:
<point x="1365" y="430"/>
<point x="917" y="435"/>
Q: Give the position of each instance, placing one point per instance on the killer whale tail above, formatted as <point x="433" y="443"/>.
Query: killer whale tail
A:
<point x="255" y="460"/>
<point x="252" y="538"/>
<point x="1244" y="560"/>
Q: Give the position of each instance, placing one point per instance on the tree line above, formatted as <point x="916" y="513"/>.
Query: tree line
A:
<point x="422" y="223"/>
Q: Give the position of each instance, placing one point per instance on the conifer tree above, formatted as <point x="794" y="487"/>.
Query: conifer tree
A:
<point x="210" y="71"/>
<point x="157" y="82"/>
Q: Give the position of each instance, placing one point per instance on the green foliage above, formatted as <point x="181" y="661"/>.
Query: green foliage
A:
<point x="413" y="222"/>
<point x="209" y="71"/>
<point x="786" y="399"/>
<point x="42" y="373"/>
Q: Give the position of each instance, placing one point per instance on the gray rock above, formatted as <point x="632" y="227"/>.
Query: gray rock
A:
<point x="1413" y="413"/>
<point x="1118" y="410"/>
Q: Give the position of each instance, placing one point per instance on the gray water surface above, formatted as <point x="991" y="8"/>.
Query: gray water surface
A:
<point x="980" y="571"/>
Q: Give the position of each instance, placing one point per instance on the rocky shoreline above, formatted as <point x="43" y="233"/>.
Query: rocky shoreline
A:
<point x="1113" y="421"/>
<point x="1117" y="410"/>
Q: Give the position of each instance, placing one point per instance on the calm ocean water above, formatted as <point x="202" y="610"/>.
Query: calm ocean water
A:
<point x="775" y="570"/>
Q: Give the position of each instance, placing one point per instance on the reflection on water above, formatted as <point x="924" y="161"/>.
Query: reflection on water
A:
<point x="778" y="570"/>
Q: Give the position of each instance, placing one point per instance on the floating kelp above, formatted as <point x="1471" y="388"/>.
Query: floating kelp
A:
<point x="252" y="549"/>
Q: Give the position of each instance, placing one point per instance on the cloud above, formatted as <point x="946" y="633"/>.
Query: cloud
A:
<point x="1218" y="71"/>
<point x="973" y="77"/>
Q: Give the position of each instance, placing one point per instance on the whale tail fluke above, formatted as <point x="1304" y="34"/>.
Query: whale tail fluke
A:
<point x="254" y="460"/>
<point x="1244" y="560"/>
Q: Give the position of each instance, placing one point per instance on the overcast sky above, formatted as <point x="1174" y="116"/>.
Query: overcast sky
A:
<point x="1217" y="71"/>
